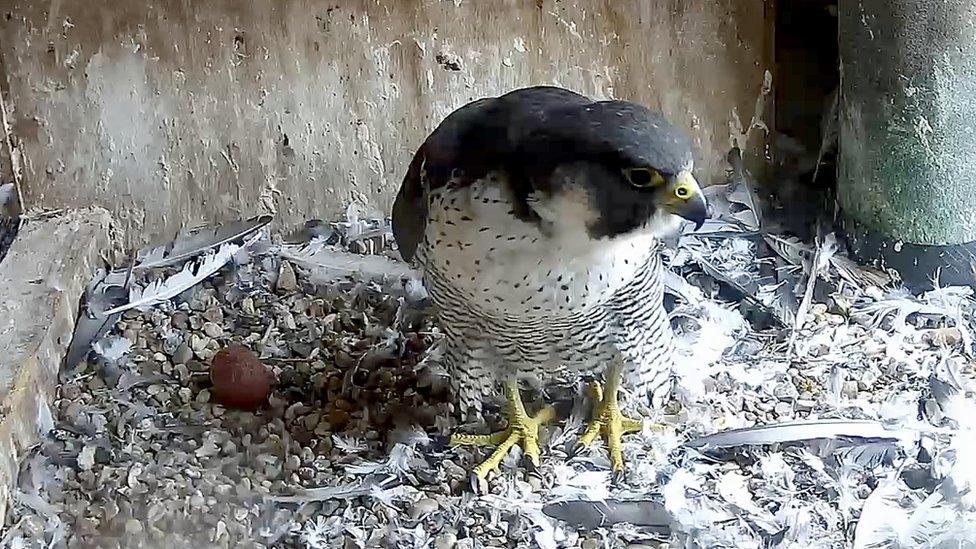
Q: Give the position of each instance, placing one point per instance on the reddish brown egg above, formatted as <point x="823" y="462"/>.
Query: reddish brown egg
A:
<point x="239" y="378"/>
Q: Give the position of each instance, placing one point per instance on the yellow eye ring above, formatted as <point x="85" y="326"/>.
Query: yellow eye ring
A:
<point x="644" y="177"/>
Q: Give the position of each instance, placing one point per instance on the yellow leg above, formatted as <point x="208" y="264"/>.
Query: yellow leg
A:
<point x="608" y="420"/>
<point x="522" y="428"/>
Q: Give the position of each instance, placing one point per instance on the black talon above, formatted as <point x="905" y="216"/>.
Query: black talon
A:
<point x="617" y="477"/>
<point x="478" y="485"/>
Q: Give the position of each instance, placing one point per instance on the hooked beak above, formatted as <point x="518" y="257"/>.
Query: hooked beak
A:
<point x="685" y="199"/>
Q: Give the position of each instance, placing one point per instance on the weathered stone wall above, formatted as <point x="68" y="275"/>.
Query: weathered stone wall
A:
<point x="173" y="112"/>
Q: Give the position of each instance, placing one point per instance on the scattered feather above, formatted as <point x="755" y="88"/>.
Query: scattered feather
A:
<point x="191" y="243"/>
<point x="164" y="289"/>
<point x="590" y="515"/>
<point x="821" y="258"/>
<point x="742" y="193"/>
<point x="112" y="349"/>
<point x="328" y="264"/>
<point x="866" y="431"/>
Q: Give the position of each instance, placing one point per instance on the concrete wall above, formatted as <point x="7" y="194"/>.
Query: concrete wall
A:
<point x="173" y="112"/>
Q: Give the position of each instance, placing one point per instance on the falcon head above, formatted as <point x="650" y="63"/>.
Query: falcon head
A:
<point x="610" y="168"/>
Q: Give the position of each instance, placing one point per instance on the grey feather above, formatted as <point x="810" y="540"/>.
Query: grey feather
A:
<point x="104" y="292"/>
<point x="741" y="192"/>
<point x="870" y="455"/>
<point x="649" y="514"/>
<point x="745" y="292"/>
<point x="341" y="492"/>
<point x="796" y="252"/>
<point x="191" y="243"/>
<point x="192" y="274"/>
<point x="789" y="248"/>
<point x="803" y="431"/>
<point x="329" y="263"/>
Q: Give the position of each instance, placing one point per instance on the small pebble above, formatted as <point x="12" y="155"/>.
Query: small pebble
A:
<point x="183" y="354"/>
<point x="198" y="343"/>
<point x="214" y="314"/>
<point x="445" y="541"/>
<point x="785" y="391"/>
<point x="179" y="320"/>
<point x="423" y="507"/>
<point x="166" y="451"/>
<point x="783" y="409"/>
<point x="287" y="282"/>
<point x="133" y="527"/>
<point x="944" y="337"/>
<point x="197" y="500"/>
<point x="311" y="421"/>
<point x="805" y="405"/>
<point x="213" y="330"/>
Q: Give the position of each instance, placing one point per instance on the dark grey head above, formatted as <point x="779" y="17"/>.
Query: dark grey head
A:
<point x="607" y="168"/>
<point x="622" y="166"/>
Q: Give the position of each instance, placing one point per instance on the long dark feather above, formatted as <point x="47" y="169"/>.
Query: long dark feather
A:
<point x="196" y="241"/>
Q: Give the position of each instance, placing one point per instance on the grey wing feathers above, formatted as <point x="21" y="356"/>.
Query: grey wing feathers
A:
<point x="410" y="209"/>
<point x="440" y="149"/>
<point x="471" y="141"/>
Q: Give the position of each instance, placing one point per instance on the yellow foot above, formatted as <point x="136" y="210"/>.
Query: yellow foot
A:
<point x="609" y="421"/>
<point x="522" y="429"/>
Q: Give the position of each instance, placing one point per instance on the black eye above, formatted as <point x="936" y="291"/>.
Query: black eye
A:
<point x="643" y="177"/>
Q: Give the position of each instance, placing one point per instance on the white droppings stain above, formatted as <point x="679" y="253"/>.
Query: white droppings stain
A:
<point x="370" y="148"/>
<point x="269" y="192"/>
<point x="71" y="58"/>
<point x="197" y="119"/>
<point x="519" y="45"/>
<point x="570" y="25"/>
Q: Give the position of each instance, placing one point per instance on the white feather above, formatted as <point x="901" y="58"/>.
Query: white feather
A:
<point x="329" y="264"/>
<point x="112" y="348"/>
<point x="192" y="274"/>
<point x="821" y="259"/>
<point x="345" y="491"/>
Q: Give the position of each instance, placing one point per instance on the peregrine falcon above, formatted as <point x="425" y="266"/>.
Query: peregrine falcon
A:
<point x="536" y="219"/>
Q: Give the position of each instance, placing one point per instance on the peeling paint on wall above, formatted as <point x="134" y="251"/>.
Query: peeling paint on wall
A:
<point x="186" y="112"/>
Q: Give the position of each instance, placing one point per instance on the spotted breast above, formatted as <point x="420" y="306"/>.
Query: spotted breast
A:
<point x="543" y="302"/>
